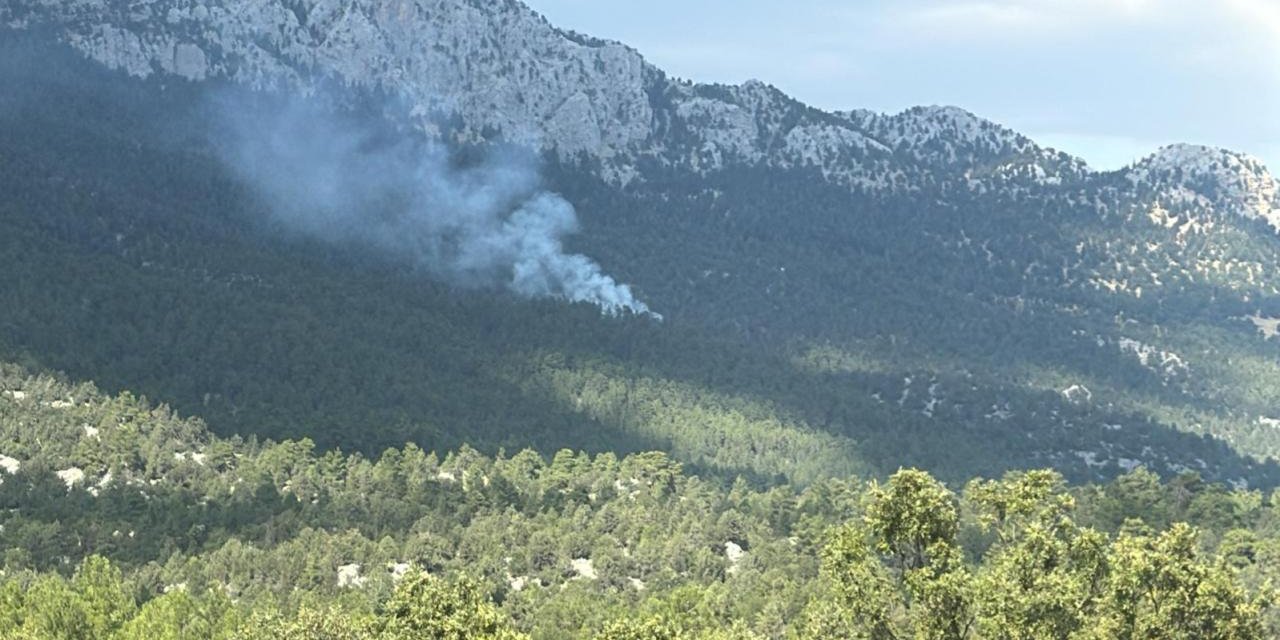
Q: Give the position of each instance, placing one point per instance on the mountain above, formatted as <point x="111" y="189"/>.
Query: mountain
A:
<point x="584" y="97"/>
<point x="558" y="90"/>
<point x="843" y="292"/>
<point x="387" y="319"/>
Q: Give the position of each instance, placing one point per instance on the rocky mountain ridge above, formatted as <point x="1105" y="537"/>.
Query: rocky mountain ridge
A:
<point x="507" y="72"/>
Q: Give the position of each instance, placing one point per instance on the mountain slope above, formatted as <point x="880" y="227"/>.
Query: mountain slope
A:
<point x="844" y="292"/>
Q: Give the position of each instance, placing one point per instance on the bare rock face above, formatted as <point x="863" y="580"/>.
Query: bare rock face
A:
<point x="499" y="64"/>
<point x="582" y="568"/>
<point x="189" y="61"/>
<point x="71" y="476"/>
<point x="574" y="129"/>
<point x="349" y="576"/>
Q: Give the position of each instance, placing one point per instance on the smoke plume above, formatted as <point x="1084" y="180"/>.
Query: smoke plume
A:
<point x="344" y="180"/>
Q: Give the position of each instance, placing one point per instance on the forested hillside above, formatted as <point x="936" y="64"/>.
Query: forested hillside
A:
<point x="121" y="520"/>
<point x="809" y="331"/>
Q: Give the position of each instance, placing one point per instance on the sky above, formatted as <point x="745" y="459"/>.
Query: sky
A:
<point x="1107" y="80"/>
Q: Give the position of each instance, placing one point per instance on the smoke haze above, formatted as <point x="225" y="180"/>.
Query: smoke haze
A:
<point x="342" y="180"/>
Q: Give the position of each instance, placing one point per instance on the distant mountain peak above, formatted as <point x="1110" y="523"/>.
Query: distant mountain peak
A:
<point x="1219" y="178"/>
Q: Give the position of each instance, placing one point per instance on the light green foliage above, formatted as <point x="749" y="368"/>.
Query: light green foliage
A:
<point x="942" y="595"/>
<point x="660" y="627"/>
<point x="859" y="585"/>
<point x="12" y="603"/>
<point x="104" y="595"/>
<point x="1046" y="577"/>
<point x="307" y="624"/>
<point x="427" y="606"/>
<point x="178" y="615"/>
<point x="1158" y="587"/>
<point x="650" y="628"/>
<point x="920" y="587"/>
<point x="51" y="609"/>
<point x="910" y="515"/>
<point x="1041" y="577"/>
<point x="1040" y="584"/>
<point x="256" y="532"/>
<point x="893" y="572"/>
<point x="1019" y="500"/>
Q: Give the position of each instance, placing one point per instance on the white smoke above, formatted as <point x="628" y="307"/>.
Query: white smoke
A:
<point x="344" y="180"/>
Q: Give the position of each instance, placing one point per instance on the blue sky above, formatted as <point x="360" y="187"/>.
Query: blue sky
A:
<point x="1107" y="80"/>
